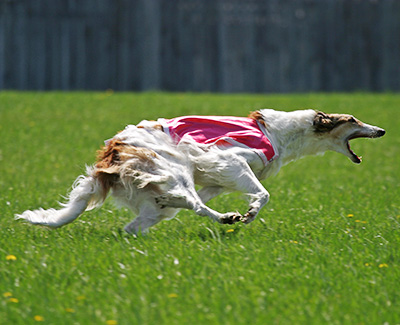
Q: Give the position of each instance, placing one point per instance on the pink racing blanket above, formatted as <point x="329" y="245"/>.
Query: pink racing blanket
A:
<point x="222" y="131"/>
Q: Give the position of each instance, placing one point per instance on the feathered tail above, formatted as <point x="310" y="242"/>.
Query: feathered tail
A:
<point x="87" y="193"/>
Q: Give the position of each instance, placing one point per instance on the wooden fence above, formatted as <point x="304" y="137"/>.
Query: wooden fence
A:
<point x="200" y="45"/>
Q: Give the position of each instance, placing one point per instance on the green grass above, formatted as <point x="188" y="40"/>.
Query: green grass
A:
<point x="303" y="261"/>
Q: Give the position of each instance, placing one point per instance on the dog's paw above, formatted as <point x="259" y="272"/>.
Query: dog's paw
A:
<point x="161" y="201"/>
<point x="247" y="218"/>
<point x="231" y="218"/>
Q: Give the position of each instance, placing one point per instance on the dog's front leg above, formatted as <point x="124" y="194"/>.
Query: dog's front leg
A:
<point x="258" y="196"/>
<point x="257" y="201"/>
<point x="239" y="176"/>
<point x="230" y="170"/>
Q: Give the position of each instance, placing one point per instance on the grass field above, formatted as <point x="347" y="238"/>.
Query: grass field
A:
<point x="325" y="250"/>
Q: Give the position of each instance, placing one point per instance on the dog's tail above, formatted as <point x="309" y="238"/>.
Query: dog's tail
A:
<point x="87" y="193"/>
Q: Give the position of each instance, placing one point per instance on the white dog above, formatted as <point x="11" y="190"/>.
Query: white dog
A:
<point x="153" y="167"/>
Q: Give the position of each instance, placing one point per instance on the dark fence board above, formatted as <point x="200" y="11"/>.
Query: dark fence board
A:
<point x="200" y="45"/>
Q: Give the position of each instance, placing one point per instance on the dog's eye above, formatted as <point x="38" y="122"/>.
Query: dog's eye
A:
<point x="352" y="120"/>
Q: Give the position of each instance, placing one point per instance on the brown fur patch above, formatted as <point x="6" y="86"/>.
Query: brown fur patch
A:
<point x="327" y="122"/>
<point x="112" y="156"/>
<point x="156" y="126"/>
<point x="109" y="154"/>
<point x="256" y="115"/>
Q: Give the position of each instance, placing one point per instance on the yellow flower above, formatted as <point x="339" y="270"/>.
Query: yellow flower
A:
<point x="350" y="215"/>
<point x="79" y="298"/>
<point x="7" y="294"/>
<point x="11" y="258"/>
<point x="383" y="265"/>
<point x="358" y="221"/>
<point x="363" y="221"/>
<point x="111" y="322"/>
<point x="172" y="295"/>
<point x="38" y="318"/>
<point x="69" y="310"/>
<point x="230" y="230"/>
<point x="367" y="264"/>
<point x="14" y="300"/>
<point x="294" y="241"/>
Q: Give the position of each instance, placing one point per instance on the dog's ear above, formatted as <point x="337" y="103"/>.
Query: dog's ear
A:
<point x="256" y="115"/>
<point x="323" y="122"/>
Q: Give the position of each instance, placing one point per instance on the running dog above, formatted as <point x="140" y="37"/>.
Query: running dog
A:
<point x="152" y="168"/>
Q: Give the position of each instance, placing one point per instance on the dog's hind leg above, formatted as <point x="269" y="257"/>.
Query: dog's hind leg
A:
<point x="192" y="201"/>
<point x="149" y="215"/>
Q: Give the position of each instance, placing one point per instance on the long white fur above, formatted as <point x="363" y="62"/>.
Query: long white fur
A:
<point x="175" y="169"/>
<point x="84" y="196"/>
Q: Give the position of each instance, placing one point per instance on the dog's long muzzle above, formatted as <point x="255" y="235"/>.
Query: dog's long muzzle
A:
<point x="368" y="131"/>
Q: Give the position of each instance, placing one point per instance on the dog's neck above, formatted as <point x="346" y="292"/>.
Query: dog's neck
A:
<point x="292" y="133"/>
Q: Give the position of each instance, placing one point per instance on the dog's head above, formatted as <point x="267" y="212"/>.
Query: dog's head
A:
<point x="339" y="129"/>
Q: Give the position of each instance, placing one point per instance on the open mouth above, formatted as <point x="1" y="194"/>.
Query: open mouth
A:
<point x="356" y="159"/>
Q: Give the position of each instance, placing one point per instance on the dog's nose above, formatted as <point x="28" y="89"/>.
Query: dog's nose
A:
<point x="380" y="133"/>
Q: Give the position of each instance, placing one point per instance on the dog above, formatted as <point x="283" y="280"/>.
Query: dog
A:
<point x="152" y="168"/>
